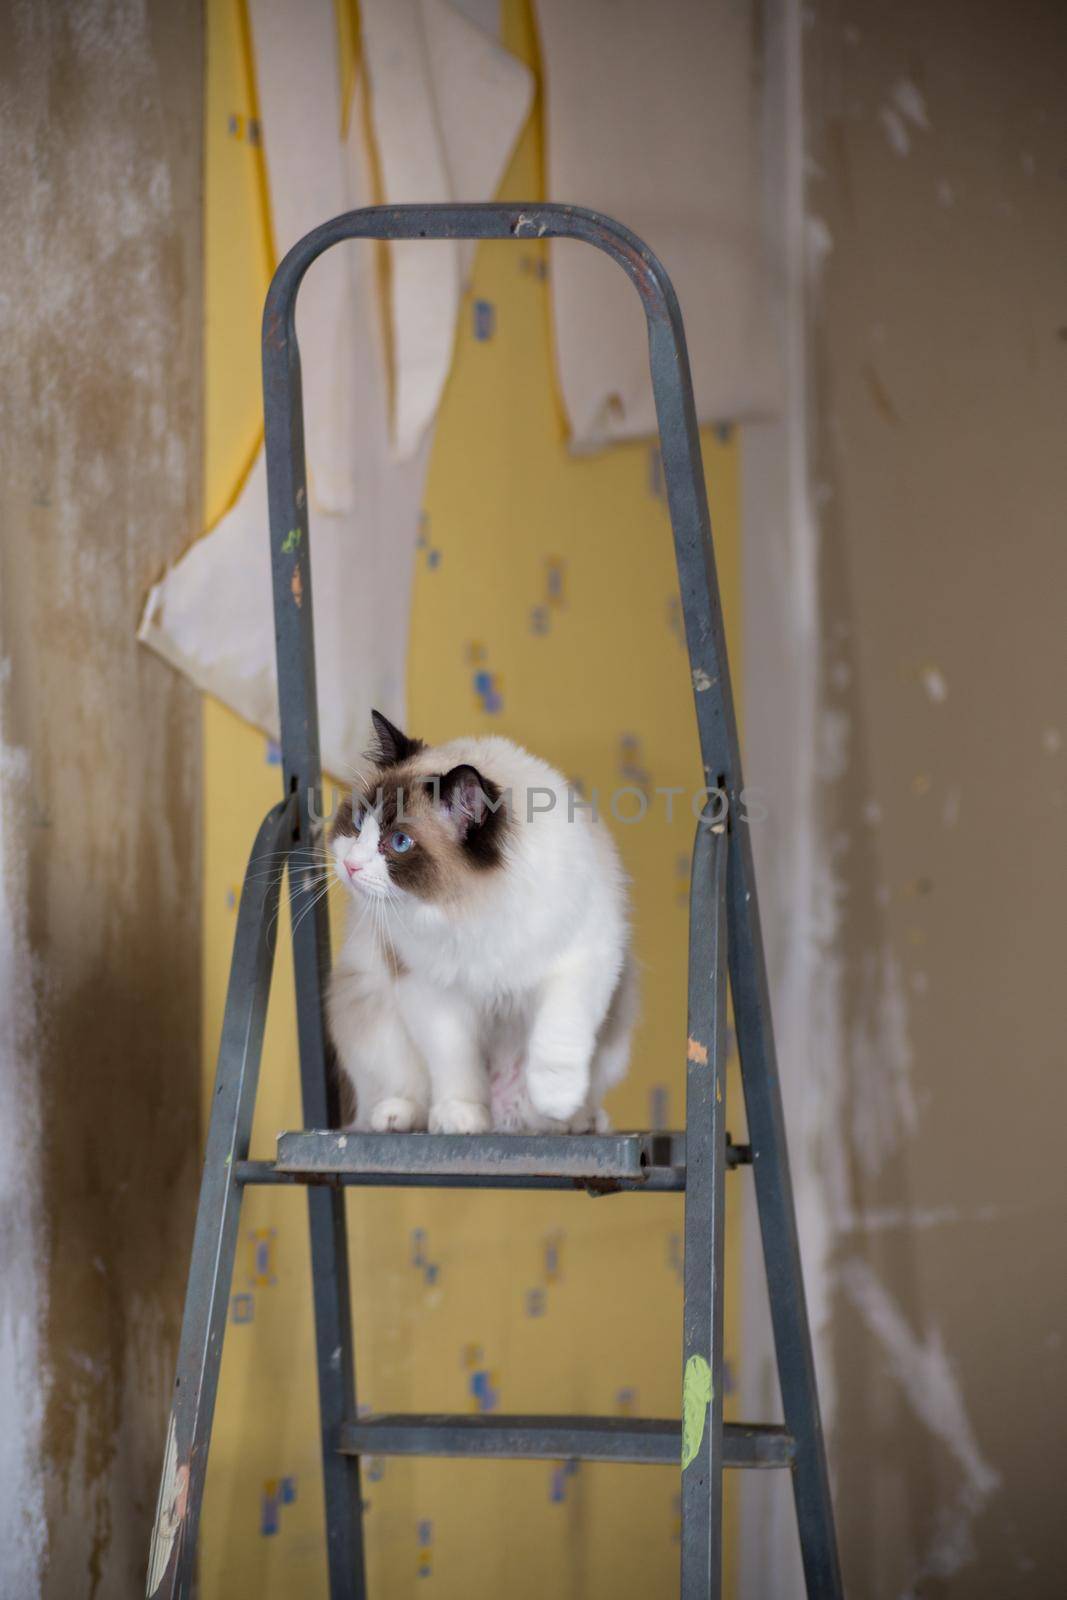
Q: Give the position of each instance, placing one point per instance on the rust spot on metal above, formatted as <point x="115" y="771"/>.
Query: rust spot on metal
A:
<point x="181" y="1494"/>
<point x="598" y="1186"/>
<point x="641" y="271"/>
<point x="644" y="278"/>
<point x="275" y="332"/>
<point x="296" y="584"/>
<point x="697" y="1052"/>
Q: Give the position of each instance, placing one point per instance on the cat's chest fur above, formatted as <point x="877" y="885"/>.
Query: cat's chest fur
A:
<point x="495" y="958"/>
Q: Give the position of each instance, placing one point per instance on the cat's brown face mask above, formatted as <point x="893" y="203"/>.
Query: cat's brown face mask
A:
<point x="410" y="830"/>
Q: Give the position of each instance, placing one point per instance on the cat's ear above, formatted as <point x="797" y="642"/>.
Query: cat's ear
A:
<point x="393" y="746"/>
<point x="469" y="800"/>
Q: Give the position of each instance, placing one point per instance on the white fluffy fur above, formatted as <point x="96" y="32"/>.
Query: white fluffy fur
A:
<point x="512" y="1007"/>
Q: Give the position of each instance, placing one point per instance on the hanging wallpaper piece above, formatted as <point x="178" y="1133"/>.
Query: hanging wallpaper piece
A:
<point x="211" y="615"/>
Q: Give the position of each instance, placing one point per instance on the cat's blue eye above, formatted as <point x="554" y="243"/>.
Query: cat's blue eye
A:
<point x="401" y="842"/>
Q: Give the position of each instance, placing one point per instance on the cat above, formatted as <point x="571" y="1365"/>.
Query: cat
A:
<point x="486" y="980"/>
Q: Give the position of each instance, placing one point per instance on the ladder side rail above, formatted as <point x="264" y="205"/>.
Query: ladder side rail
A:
<point x="173" y="1551"/>
<point x="705" y="1231"/>
<point x="720" y="751"/>
<point x="331" y="1287"/>
<point x="302" y="776"/>
<point x="778" y="1229"/>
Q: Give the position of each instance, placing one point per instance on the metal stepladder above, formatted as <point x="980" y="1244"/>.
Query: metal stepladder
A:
<point x="724" y="935"/>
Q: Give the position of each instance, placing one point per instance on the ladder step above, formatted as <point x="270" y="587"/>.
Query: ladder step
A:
<point x="599" y="1163"/>
<point x="650" y="1441"/>
<point x="489" y="1159"/>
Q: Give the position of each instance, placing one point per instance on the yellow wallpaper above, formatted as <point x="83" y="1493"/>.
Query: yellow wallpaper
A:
<point x="545" y="608"/>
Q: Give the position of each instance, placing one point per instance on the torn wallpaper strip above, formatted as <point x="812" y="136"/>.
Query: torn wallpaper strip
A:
<point x="448" y="103"/>
<point x="212" y="614"/>
<point x="653" y="115"/>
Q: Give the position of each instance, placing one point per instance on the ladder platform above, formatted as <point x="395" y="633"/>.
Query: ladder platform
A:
<point x="599" y="1163"/>
<point x="643" y="1441"/>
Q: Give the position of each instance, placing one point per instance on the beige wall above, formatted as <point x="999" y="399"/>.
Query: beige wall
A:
<point x="929" y="1120"/>
<point x="100" y="140"/>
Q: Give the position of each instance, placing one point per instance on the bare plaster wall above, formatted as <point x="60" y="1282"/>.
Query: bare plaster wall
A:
<point x="936" y="238"/>
<point x="100" y="312"/>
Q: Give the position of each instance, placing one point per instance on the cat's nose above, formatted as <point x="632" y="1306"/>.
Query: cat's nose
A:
<point x="352" y="867"/>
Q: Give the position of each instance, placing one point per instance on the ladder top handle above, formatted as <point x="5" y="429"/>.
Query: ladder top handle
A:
<point x="492" y="221"/>
<point x="672" y="389"/>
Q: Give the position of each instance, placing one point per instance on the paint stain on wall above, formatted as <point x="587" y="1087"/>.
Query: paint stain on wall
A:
<point x="242" y="1307"/>
<point x="428" y="551"/>
<point x="632" y="766"/>
<point x="488" y="690"/>
<point x="262" y="1273"/>
<point x="276" y="1493"/>
<point x="553" y="595"/>
<point x="420" y="1258"/>
<point x="559" y="1479"/>
<point x="424" y="1550"/>
<point x="482" y="1383"/>
<point x="484" y="320"/>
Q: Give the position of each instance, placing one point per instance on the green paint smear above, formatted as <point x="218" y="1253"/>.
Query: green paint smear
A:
<point x="696" y="1397"/>
<point x="291" y="540"/>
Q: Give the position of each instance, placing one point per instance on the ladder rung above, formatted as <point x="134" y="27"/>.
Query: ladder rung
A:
<point x="546" y="1438"/>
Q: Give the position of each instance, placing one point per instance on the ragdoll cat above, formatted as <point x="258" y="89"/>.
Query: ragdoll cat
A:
<point x="486" y="979"/>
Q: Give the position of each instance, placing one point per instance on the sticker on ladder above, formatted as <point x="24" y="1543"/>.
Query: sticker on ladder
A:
<point x="697" y="1394"/>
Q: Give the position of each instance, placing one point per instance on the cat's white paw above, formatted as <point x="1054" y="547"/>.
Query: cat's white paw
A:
<point x="397" y="1116"/>
<point x="556" y="1089"/>
<point x="583" y="1121"/>
<point x="459" y="1116"/>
